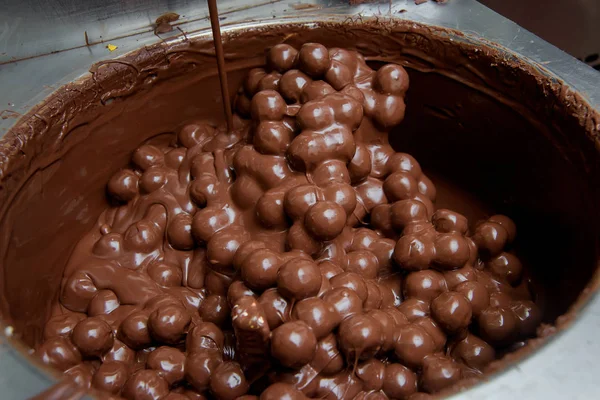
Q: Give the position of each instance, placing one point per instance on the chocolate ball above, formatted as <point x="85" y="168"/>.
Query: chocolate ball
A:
<point x="458" y="276"/>
<point x="146" y="384"/>
<point x="360" y="337"/>
<point x="452" y="311"/>
<point x="134" y="332"/>
<point x="199" y="367"/>
<point x="404" y="212"/>
<point x="507" y="224"/>
<point x="205" y="335"/>
<point x="327" y="357"/>
<point x="61" y="325"/>
<point x="281" y="391"/>
<point x="179" y="232"/>
<point x="313" y="59"/>
<point x="299" y="278"/>
<point x="498" y="325"/>
<point x="477" y="295"/>
<point x="59" y="353"/>
<point x="318" y="314"/>
<point x="275" y="307"/>
<point x="342" y="194"/>
<point x="147" y="156"/>
<point x="414" y="253"/>
<point x="121" y="353"/>
<point x="222" y="246"/>
<point x="413" y="344"/>
<point x="490" y="238"/>
<point x="260" y="269"/>
<point x="228" y="382"/>
<point x="293" y="344"/>
<point x="400" y="186"/>
<point x="399" y="382"/>
<point x="434" y="330"/>
<point x="414" y="308"/>
<point x="391" y="79"/>
<point x="424" y="285"/>
<point x="351" y="281"/>
<point x="104" y="302"/>
<point x="298" y="200"/>
<point x="93" y="337"/>
<point x="362" y="262"/>
<point x="282" y="57"/>
<point x="404" y="162"/>
<point x="269" y="82"/>
<point x="110" y="377"/>
<point x="338" y="75"/>
<point x="451" y="250"/>
<point x="360" y="165"/>
<point x="214" y="309"/>
<point x="292" y="84"/>
<point x="371" y="373"/>
<point x="528" y="315"/>
<point x="473" y="352"/>
<point x="439" y="372"/>
<point x="268" y="105"/>
<point x="81" y="374"/>
<point x="272" y="137"/>
<point x="153" y="179"/>
<point x="447" y="221"/>
<point x="123" y="185"/>
<point x="325" y="220"/>
<point x="142" y="237"/>
<point x="507" y="267"/>
<point x="168" y="323"/>
<point x="165" y="273"/>
<point x="388" y="327"/>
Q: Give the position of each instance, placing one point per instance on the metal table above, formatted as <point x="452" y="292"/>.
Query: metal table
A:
<point x="43" y="45"/>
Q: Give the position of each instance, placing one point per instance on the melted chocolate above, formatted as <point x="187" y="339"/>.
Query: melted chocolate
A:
<point x="300" y="230"/>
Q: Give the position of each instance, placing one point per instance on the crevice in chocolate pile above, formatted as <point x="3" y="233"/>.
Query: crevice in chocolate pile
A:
<point x="302" y="253"/>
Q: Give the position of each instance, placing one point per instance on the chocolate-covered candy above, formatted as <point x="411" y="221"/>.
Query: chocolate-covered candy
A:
<point x="399" y="382"/>
<point x="528" y="315"/>
<point x="404" y="212"/>
<point x="363" y="263"/>
<point x="490" y="238"/>
<point x="414" y="253"/>
<point x="452" y="311"/>
<point x="169" y="362"/>
<point x="292" y="84"/>
<point x="110" y="377"/>
<point x="260" y="269"/>
<point x="507" y="223"/>
<point x="313" y="59"/>
<point x="414" y="308"/>
<point x="446" y="221"/>
<point x="81" y="374"/>
<point x="473" y="352"/>
<point x="325" y="220"/>
<point x="93" y="336"/>
<point x="281" y="391"/>
<point x="293" y="344"/>
<point x="168" y="323"/>
<point x="498" y="325"/>
<point x="146" y="384"/>
<point x="434" y="330"/>
<point x="413" y="343"/>
<point x="424" y="285"/>
<point x="318" y="314"/>
<point x="439" y="372"/>
<point x="165" y="273"/>
<point x="202" y="336"/>
<point x="147" y="156"/>
<point x="223" y="245"/>
<point x="228" y="382"/>
<point x="134" y="330"/>
<point x="179" y="232"/>
<point x="351" y="281"/>
<point x="61" y="325"/>
<point x="299" y="278"/>
<point x="506" y="266"/>
<point x="371" y="373"/>
<point x="123" y="186"/>
<point x="451" y="250"/>
<point x="59" y="353"/>
<point x="477" y="295"/>
<point x="199" y="366"/>
<point x="268" y="105"/>
<point x="360" y="337"/>
<point x="276" y="307"/>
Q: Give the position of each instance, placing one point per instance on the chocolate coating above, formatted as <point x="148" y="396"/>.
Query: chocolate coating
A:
<point x="452" y="311"/>
<point x="146" y="384"/>
<point x="293" y="344"/>
<point x="294" y="254"/>
<point x="299" y="279"/>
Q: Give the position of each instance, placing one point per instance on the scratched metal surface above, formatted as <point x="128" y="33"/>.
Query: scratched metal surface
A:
<point x="565" y="368"/>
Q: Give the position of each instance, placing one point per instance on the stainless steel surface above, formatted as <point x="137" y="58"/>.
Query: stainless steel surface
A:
<point x="572" y="26"/>
<point x="566" y="367"/>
